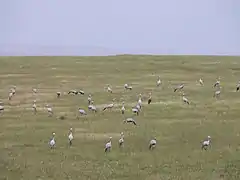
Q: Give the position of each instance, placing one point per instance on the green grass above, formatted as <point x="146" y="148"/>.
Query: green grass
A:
<point x="179" y="128"/>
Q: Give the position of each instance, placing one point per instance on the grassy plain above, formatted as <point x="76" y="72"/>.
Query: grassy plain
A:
<point x="179" y="128"/>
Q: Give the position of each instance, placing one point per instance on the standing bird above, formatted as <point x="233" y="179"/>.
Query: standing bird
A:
<point x="70" y="136"/>
<point x="217" y="94"/>
<point x="34" y="90"/>
<point x="89" y="99"/>
<point x="109" y="89"/>
<point x="159" y="82"/>
<point x="130" y="120"/>
<point x="185" y="100"/>
<point x="82" y="111"/>
<point x="150" y="98"/>
<point x="92" y="107"/>
<point x="34" y="106"/>
<point x="238" y="86"/>
<point x="58" y="94"/>
<point x="121" y="140"/>
<point x="49" y="110"/>
<point x="201" y="81"/>
<point x="179" y="87"/>
<point x="127" y="87"/>
<point x="109" y="106"/>
<point x="217" y="83"/>
<point x="108" y="145"/>
<point x="152" y="144"/>
<point x="206" y="143"/>
<point x="52" y="142"/>
<point x="140" y="99"/>
<point x="123" y="108"/>
<point x="13" y="90"/>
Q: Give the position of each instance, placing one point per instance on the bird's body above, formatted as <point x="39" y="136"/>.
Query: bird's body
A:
<point x="206" y="143"/>
<point x="179" y="87"/>
<point x="201" y="81"/>
<point x="121" y="140"/>
<point x="217" y="93"/>
<point x="135" y="111"/>
<point x="10" y="95"/>
<point x="152" y="144"/>
<point x="82" y="111"/>
<point x="123" y="108"/>
<point x="130" y="120"/>
<point x="159" y="82"/>
<point x="70" y="136"/>
<point x="108" y="145"/>
<point x="76" y="92"/>
<point x="217" y="83"/>
<point x="58" y="94"/>
<point x="34" y="106"/>
<point x="49" y="110"/>
<point x="150" y="98"/>
<point x="91" y="107"/>
<point x="140" y="99"/>
<point x="238" y="86"/>
<point x="109" y="89"/>
<point x="109" y="106"/>
<point x="1" y="108"/>
<point x="52" y="142"/>
<point x="185" y="100"/>
<point x="127" y="87"/>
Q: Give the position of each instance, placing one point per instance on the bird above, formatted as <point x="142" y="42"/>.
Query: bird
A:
<point x="13" y="90"/>
<point x="238" y="86"/>
<point x="123" y="108"/>
<point x="159" y="82"/>
<point x="82" y="111"/>
<point x="76" y="92"/>
<point x="49" y="110"/>
<point x="108" y="145"/>
<point x="127" y="87"/>
<point x="70" y="136"/>
<point x="1" y="108"/>
<point x="179" y="87"/>
<point x="206" y="143"/>
<point x="92" y="107"/>
<point x="89" y="99"/>
<point x="58" y="94"/>
<point x="185" y="100"/>
<point x="34" y="106"/>
<point x="10" y="95"/>
<point x="135" y="110"/>
<point x="52" y="142"/>
<point x="201" y="81"/>
<point x="152" y="143"/>
<point x="34" y="90"/>
<point x="121" y="140"/>
<point x="140" y="99"/>
<point x="217" y="83"/>
<point x="109" y="89"/>
<point x="109" y="106"/>
<point x="130" y="120"/>
<point x="217" y="94"/>
<point x="150" y="98"/>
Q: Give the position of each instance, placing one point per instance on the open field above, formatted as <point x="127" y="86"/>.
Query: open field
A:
<point x="178" y="127"/>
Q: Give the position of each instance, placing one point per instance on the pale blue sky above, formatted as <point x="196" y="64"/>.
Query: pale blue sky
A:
<point x="121" y="26"/>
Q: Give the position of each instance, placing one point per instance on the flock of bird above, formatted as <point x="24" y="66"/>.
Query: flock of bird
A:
<point x="136" y="110"/>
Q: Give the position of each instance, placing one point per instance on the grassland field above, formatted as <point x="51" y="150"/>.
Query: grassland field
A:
<point x="178" y="127"/>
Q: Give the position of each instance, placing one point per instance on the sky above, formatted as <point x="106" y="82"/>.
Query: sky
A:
<point x="96" y="27"/>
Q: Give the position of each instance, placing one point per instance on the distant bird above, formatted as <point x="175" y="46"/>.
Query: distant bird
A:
<point x="13" y="90"/>
<point x="185" y="100"/>
<point x="92" y="107"/>
<point x="1" y="108"/>
<point x="127" y="87"/>
<point x="135" y="111"/>
<point x="238" y="86"/>
<point x="150" y="98"/>
<point x="109" y="89"/>
<point x="70" y="136"/>
<point x="34" y="106"/>
<point x="130" y="120"/>
<point x="10" y="95"/>
<point x="152" y="144"/>
<point x="217" y="94"/>
<point x="52" y="142"/>
<point x="121" y="140"/>
<point x="206" y="143"/>
<point x="179" y="87"/>
<point x="49" y="110"/>
<point x="34" y="90"/>
<point x="89" y="99"/>
<point x="76" y="92"/>
<point x="159" y="82"/>
<point x="108" y="145"/>
<point x="201" y="81"/>
<point x="58" y="94"/>
<point x="140" y="99"/>
<point x="217" y="83"/>
<point x="82" y="111"/>
<point x="123" y="108"/>
<point x="109" y="106"/>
